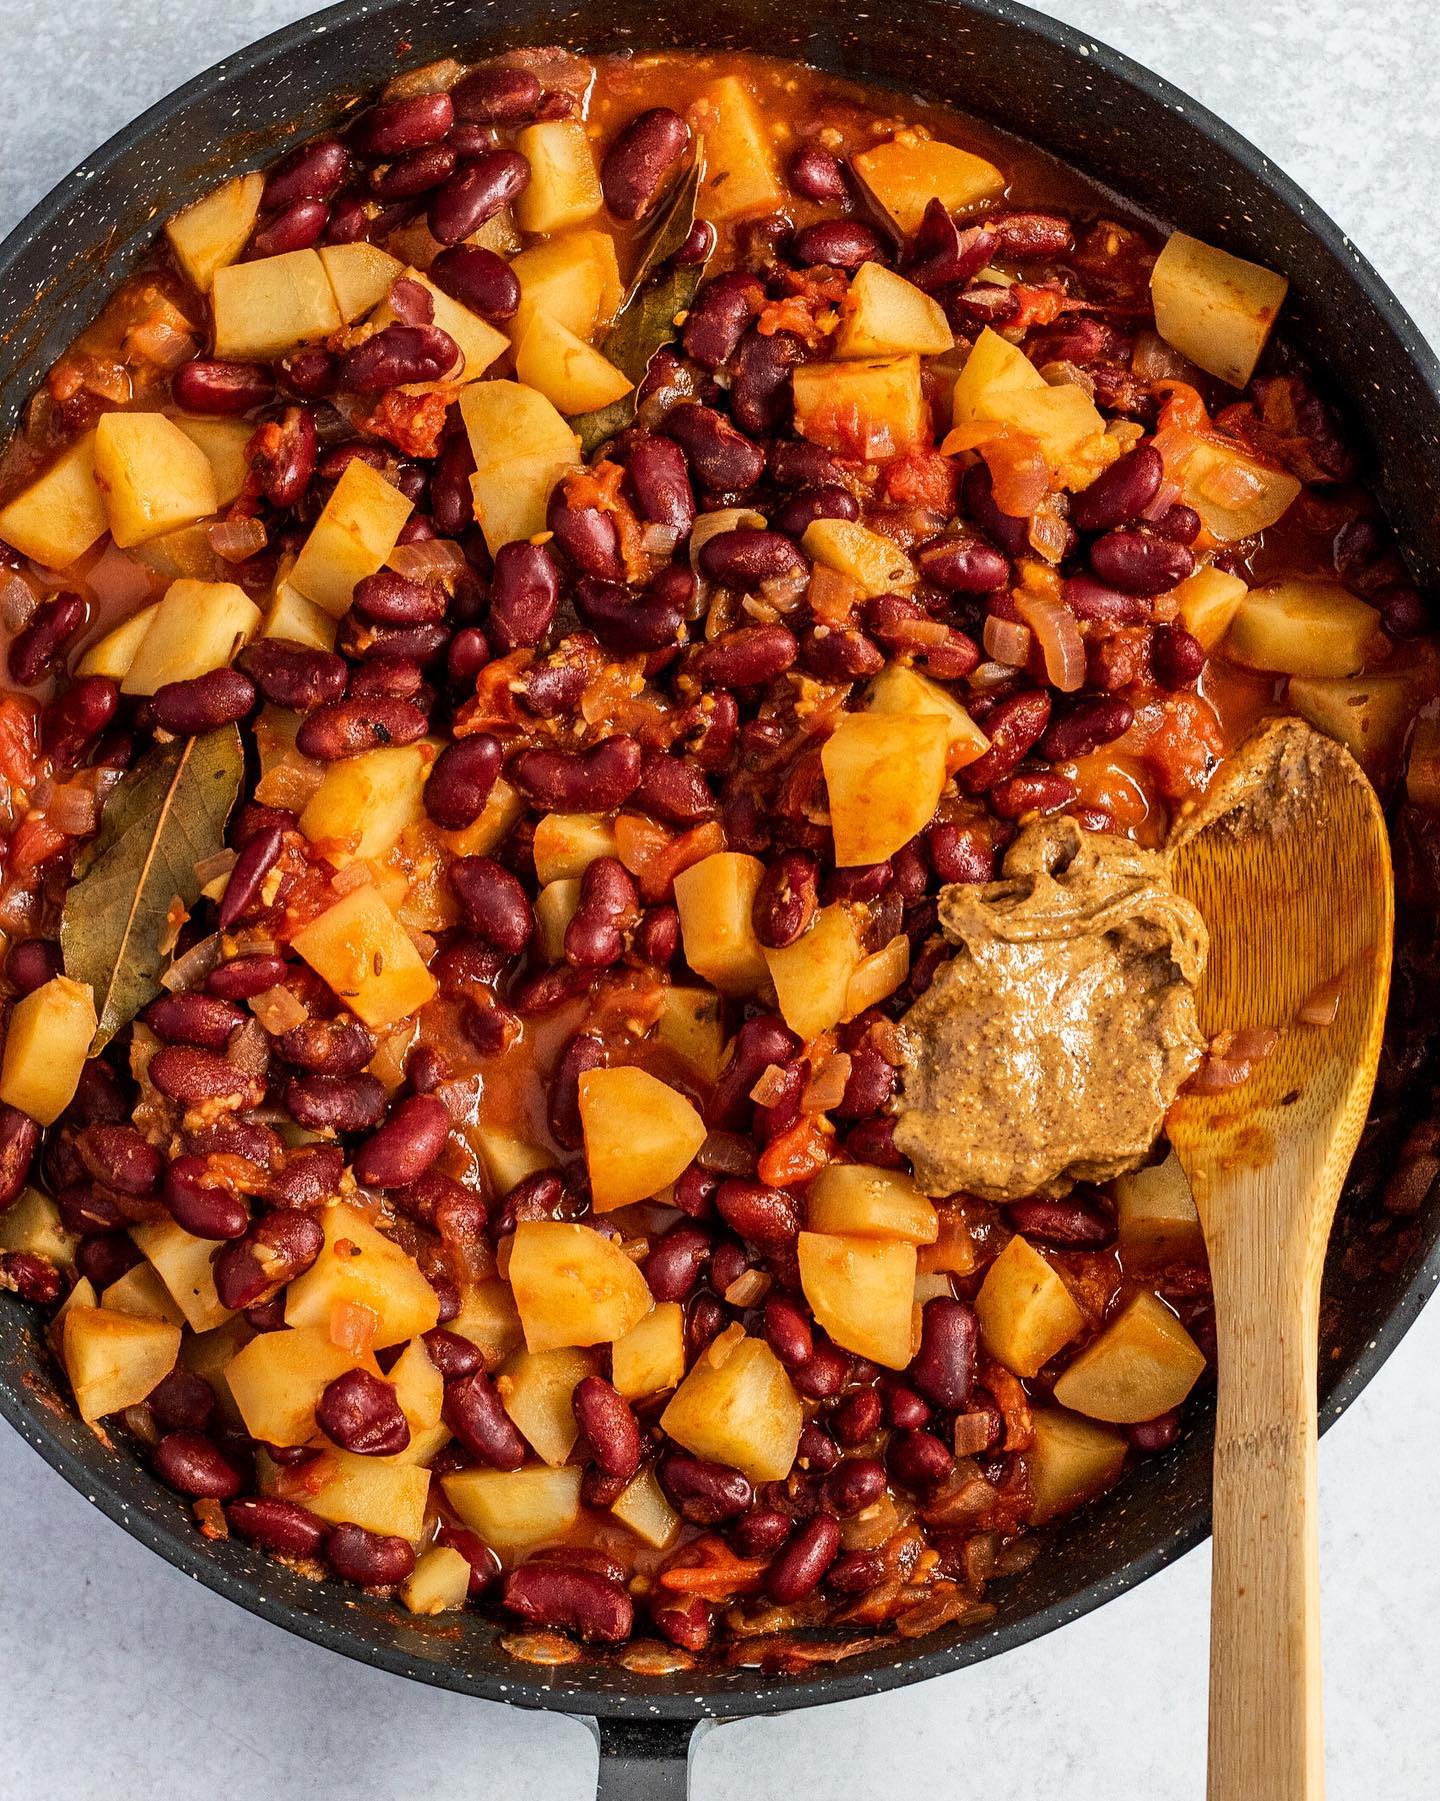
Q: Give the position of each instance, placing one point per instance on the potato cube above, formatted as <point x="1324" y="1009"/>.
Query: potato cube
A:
<point x="574" y="277"/>
<point x="999" y="384"/>
<point x="740" y="173"/>
<point x="352" y="538"/>
<point x="300" y="621"/>
<point x="564" y="187"/>
<point x="182" y="1263"/>
<point x="508" y="1158"/>
<point x="861" y="1200"/>
<point x="910" y="171"/>
<point x="363" y="1267"/>
<point x="643" y="1507"/>
<point x="489" y="1319"/>
<point x="639" y="1135"/>
<point x="113" y="1360"/>
<point x="522" y="446"/>
<point x="152" y="476"/>
<point x="61" y="514"/>
<point x="361" y="277"/>
<point x="223" y="441"/>
<point x="651" y="1356"/>
<point x="1369" y="714"/>
<point x="868" y="408"/>
<point x="212" y="231"/>
<point x="573" y="1287"/>
<point x="439" y="1583"/>
<point x="535" y="1389"/>
<point x="420" y="1390"/>
<point x="885" y="315"/>
<point x="691" y="1027"/>
<point x="1234" y="495"/>
<point x="1156" y="1215"/>
<point x="877" y="976"/>
<point x="208" y="1354"/>
<point x="885" y="773"/>
<point x="812" y="975"/>
<point x="900" y="689"/>
<point x="1302" y="627"/>
<point x="861" y="1290"/>
<point x="115" y="652"/>
<point x="1208" y="602"/>
<point x="570" y="373"/>
<point x="1071" y="1461"/>
<point x="555" y="906"/>
<point x="994" y="370"/>
<point x="373" y="1492"/>
<point x="478" y="340"/>
<point x="1213" y="307"/>
<point x="874" y="562"/>
<point x="714" y="898"/>
<point x="364" y="803"/>
<point x="566" y="844"/>
<point x="196" y="627"/>
<point x="1142" y="1365"/>
<point x="1025" y="1310"/>
<point x="32" y="1223"/>
<point x="498" y="815"/>
<point x="264" y="308"/>
<point x="46" y="1044"/>
<point x="141" y="1294"/>
<point x="278" y="1378"/>
<point x="366" y="956"/>
<point x="511" y="1510"/>
<point x="736" y="1406"/>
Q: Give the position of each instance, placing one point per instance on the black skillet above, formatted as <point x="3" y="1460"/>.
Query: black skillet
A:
<point x="1094" y="109"/>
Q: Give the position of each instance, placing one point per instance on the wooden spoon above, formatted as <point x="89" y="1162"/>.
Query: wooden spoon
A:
<point x="1289" y="863"/>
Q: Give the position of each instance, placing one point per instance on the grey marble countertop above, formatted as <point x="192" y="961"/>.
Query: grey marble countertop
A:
<point x="126" y="1682"/>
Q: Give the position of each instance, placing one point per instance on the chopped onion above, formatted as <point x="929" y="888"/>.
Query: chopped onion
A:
<point x="992" y="675"/>
<point x="188" y="972"/>
<point x="1048" y="532"/>
<point x="18" y="601"/>
<point x="659" y="540"/>
<point x="1058" y="635"/>
<point x="160" y="342"/>
<point x="1006" y="642"/>
<point x="431" y="560"/>
<point x="973" y="1433"/>
<point x="771" y="1086"/>
<point x="74" y="809"/>
<point x="209" y="868"/>
<point x="1153" y="360"/>
<point x="278" y="1010"/>
<point x="233" y="540"/>
<point x="826" y="1087"/>
<point x="726" y="1154"/>
<point x="749" y="1286"/>
<point x="1166" y="496"/>
<point x="352" y="876"/>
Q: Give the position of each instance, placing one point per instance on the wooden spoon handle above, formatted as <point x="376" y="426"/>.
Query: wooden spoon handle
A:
<point x="1266" y="1734"/>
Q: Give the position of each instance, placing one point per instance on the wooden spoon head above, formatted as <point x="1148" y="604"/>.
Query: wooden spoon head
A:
<point x="1288" y="860"/>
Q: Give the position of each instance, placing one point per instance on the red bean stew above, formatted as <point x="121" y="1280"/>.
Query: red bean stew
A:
<point x="512" y="618"/>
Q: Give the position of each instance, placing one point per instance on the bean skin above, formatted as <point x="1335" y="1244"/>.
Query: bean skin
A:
<point x="1120" y="493"/>
<point x="705" y="1493"/>
<point x="391" y="599"/>
<point x="203" y="1207"/>
<point x="313" y="172"/>
<point x="747" y="657"/>
<point x="74" y="719"/>
<point x="725" y="460"/>
<point x="838" y="243"/>
<point x="1140" y="562"/>
<point x="398" y="354"/>
<point x="35" y="651"/>
<point x="460" y="780"/>
<point x="717" y="321"/>
<point x="815" y="174"/>
<point x="747" y="558"/>
<point x="943" y="1369"/>
<point x="1013" y="727"/>
<point x="661" y="481"/>
<point x="256" y="860"/>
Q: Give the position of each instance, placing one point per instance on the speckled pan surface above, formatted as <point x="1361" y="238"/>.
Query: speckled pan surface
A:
<point x="1034" y="76"/>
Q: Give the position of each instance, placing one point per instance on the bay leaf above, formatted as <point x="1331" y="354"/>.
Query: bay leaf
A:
<point x="166" y="817"/>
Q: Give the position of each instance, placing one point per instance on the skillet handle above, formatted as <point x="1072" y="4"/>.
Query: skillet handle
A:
<point x="646" y="1760"/>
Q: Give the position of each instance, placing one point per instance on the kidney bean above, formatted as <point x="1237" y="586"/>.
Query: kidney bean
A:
<point x="460" y="780"/>
<point x="705" y="1493"/>
<point x="596" y="780"/>
<point x="1014" y="728"/>
<point x="31" y="962"/>
<point x="35" y="651"/>
<point x="523" y="596"/>
<point x="1154" y="1435"/>
<point x="405" y="179"/>
<point x="202" y="1205"/>
<point x="1038" y="791"/>
<point x="312" y="371"/>
<point x="829" y="501"/>
<point x="919" y="1460"/>
<point x="206" y="385"/>
<point x="484" y="282"/>
<point x="348" y="728"/>
<point x="397" y="354"/>
<point x="454" y="1356"/>
<point x="473" y="1412"/>
<point x="406" y="1145"/>
<point x="760" y="1041"/>
<point x="747" y="558"/>
<point x="625" y="621"/>
<point x="685" y="1620"/>
<point x="497" y="94"/>
<point x="704" y="1319"/>
<point x="793" y="463"/>
<point x="362" y="1414"/>
<point x="547" y="989"/>
<point x="334" y="1103"/>
<point x="769" y="1217"/>
<point x="182" y="1402"/>
<point x="815" y="174"/>
<point x="676" y="1261"/>
<point x="608" y="1422"/>
<point x="760" y="398"/>
<point x="717" y="321"/>
<point x="944" y="257"/>
<point x="977" y="497"/>
<point x="657" y="937"/>
<point x="395" y="127"/>
<point x="673" y="790"/>
<point x="1176" y="657"/>
<point x="746" y="657"/>
<point x="371" y="1559"/>
<point x="308" y="1175"/>
<point x="334" y="1047"/>
<point x="282" y="456"/>
<point x="297" y="227"/>
<point x="254" y="863"/>
<point x="608" y="907"/>
<point x="476" y="192"/>
<point x="725" y="460"/>
<point x="837" y="243"/>
<point x="196" y="1466"/>
<point x="102" y="1257"/>
<point x="858" y="1483"/>
<point x="283" y="1527"/>
<point x="858" y="1418"/>
<point x="1095" y="720"/>
<point x="699" y="247"/>
<point x="1179" y="522"/>
<point x="494" y="903"/>
<point x="85" y="1209"/>
<point x="761" y="1531"/>
<point x="1072" y="1224"/>
<point x="1029" y="236"/>
<point x="191" y="1076"/>
<point x="855" y="1571"/>
<point x="587" y="536"/>
<point x="908" y="1410"/>
<point x="641" y="159"/>
<point x="244" y="977"/>
<point x="203" y="703"/>
<point x="1403" y="611"/>
<point x="1139" y="562"/>
<point x="943" y="1369"/>
<point x="120" y="1158"/>
<point x="822" y="1375"/>
<point x="1120" y="493"/>
<point x="800" y="1568"/>
<point x="661" y="483"/>
<point x="75" y="718"/>
<point x="577" y="1600"/>
<point x="584" y="1052"/>
<point x="313" y="172"/>
<point x="293" y="676"/>
<point x="868" y="1086"/>
<point x="1089" y="599"/>
<point x="962" y="565"/>
<point x="787" y="898"/>
<point x="392" y="599"/>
